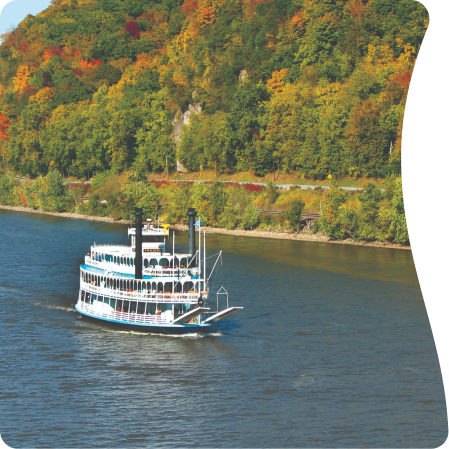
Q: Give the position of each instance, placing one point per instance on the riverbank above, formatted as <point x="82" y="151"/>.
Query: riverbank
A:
<point x="305" y="235"/>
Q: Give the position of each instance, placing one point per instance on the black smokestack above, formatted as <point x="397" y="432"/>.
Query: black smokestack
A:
<point x="191" y="213"/>
<point x="138" y="264"/>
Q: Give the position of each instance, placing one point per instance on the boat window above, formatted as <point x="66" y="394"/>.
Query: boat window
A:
<point x="132" y="262"/>
<point x="125" y="306"/>
<point x="132" y="307"/>
<point x="145" y="263"/>
<point x="112" y="303"/>
<point x="153" y="262"/>
<point x="141" y="308"/>
<point x="151" y="308"/>
<point x="163" y="262"/>
<point x="160" y="287"/>
<point x="168" y="287"/>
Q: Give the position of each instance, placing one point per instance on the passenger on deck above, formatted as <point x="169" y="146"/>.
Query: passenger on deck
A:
<point x="158" y="311"/>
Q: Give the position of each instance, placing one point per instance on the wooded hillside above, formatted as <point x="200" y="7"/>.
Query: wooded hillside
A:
<point x="314" y="87"/>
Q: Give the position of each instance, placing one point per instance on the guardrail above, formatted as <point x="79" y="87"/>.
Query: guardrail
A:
<point x="184" y="298"/>
<point x="156" y="272"/>
<point x="130" y="317"/>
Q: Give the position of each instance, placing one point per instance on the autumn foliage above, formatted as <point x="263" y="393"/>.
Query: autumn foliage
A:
<point x="4" y="125"/>
<point x="90" y="64"/>
<point x="276" y="82"/>
<point x="308" y="87"/>
<point x="133" y="29"/>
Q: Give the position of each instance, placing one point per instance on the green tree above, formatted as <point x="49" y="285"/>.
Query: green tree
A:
<point x="143" y="195"/>
<point x="231" y="215"/>
<point x="179" y="198"/>
<point x="393" y="225"/>
<point x="331" y="221"/>
<point x="8" y="186"/>
<point x="55" y="195"/>
<point x="371" y="200"/>
<point x="250" y="218"/>
<point x="294" y="215"/>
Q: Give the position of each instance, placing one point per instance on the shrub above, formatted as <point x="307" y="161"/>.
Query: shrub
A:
<point x="250" y="218"/>
<point x="294" y="215"/>
<point x="230" y="218"/>
<point x="8" y="185"/>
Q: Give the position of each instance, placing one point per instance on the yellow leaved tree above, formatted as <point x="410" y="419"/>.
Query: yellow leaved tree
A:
<point x="276" y="82"/>
<point x="21" y="79"/>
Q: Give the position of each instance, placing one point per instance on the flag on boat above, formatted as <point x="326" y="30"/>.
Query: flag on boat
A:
<point x="198" y="222"/>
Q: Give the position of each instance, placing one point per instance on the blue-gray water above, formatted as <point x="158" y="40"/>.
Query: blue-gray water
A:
<point x="333" y="349"/>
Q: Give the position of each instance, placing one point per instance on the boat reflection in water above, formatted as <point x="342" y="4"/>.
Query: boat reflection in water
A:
<point x="145" y="288"/>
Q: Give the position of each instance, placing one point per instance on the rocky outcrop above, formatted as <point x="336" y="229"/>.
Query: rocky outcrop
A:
<point x="243" y="74"/>
<point x="183" y="119"/>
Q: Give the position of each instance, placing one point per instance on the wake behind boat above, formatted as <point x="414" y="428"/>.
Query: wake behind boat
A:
<point x="145" y="288"/>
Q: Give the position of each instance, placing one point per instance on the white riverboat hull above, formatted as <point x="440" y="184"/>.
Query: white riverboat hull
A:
<point x="151" y="327"/>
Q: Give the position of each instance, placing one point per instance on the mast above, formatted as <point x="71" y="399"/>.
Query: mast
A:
<point x="199" y="250"/>
<point x="204" y="262"/>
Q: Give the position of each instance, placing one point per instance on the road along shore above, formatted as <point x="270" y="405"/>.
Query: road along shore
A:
<point x="305" y="235"/>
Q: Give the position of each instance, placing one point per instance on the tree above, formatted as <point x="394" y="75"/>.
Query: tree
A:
<point x="371" y="200"/>
<point x="250" y="218"/>
<point x="231" y="215"/>
<point x="4" y="125"/>
<point x="276" y="83"/>
<point x="21" y="80"/>
<point x="331" y="220"/>
<point x="393" y="225"/>
<point x="294" y="215"/>
<point x="179" y="197"/>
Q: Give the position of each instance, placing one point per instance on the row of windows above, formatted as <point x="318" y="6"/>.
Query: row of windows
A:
<point x="122" y="305"/>
<point x="133" y="285"/>
<point x="153" y="262"/>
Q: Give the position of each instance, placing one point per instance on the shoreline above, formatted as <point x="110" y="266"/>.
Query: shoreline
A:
<point x="304" y="236"/>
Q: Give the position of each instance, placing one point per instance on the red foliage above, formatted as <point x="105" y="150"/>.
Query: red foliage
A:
<point x="4" y="125"/>
<point x="133" y="29"/>
<point x="52" y="51"/>
<point x="356" y="10"/>
<point x="403" y="80"/>
<point x="158" y="183"/>
<point x="256" y="133"/>
<point x="78" y="71"/>
<point x="189" y="7"/>
<point x="90" y="64"/>
<point x="24" y="46"/>
<point x="253" y="187"/>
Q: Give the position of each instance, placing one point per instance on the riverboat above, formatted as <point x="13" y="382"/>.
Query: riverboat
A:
<point x="147" y="288"/>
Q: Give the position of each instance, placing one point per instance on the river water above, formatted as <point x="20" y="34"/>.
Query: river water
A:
<point x="333" y="349"/>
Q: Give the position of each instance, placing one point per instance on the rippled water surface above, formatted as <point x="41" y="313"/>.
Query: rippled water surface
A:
<point x="333" y="349"/>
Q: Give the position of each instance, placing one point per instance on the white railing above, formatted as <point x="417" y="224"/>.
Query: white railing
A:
<point x="188" y="298"/>
<point x="122" y="268"/>
<point x="130" y="317"/>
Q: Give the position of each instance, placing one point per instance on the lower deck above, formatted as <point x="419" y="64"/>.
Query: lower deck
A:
<point x="132" y="310"/>
<point x="131" y="322"/>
